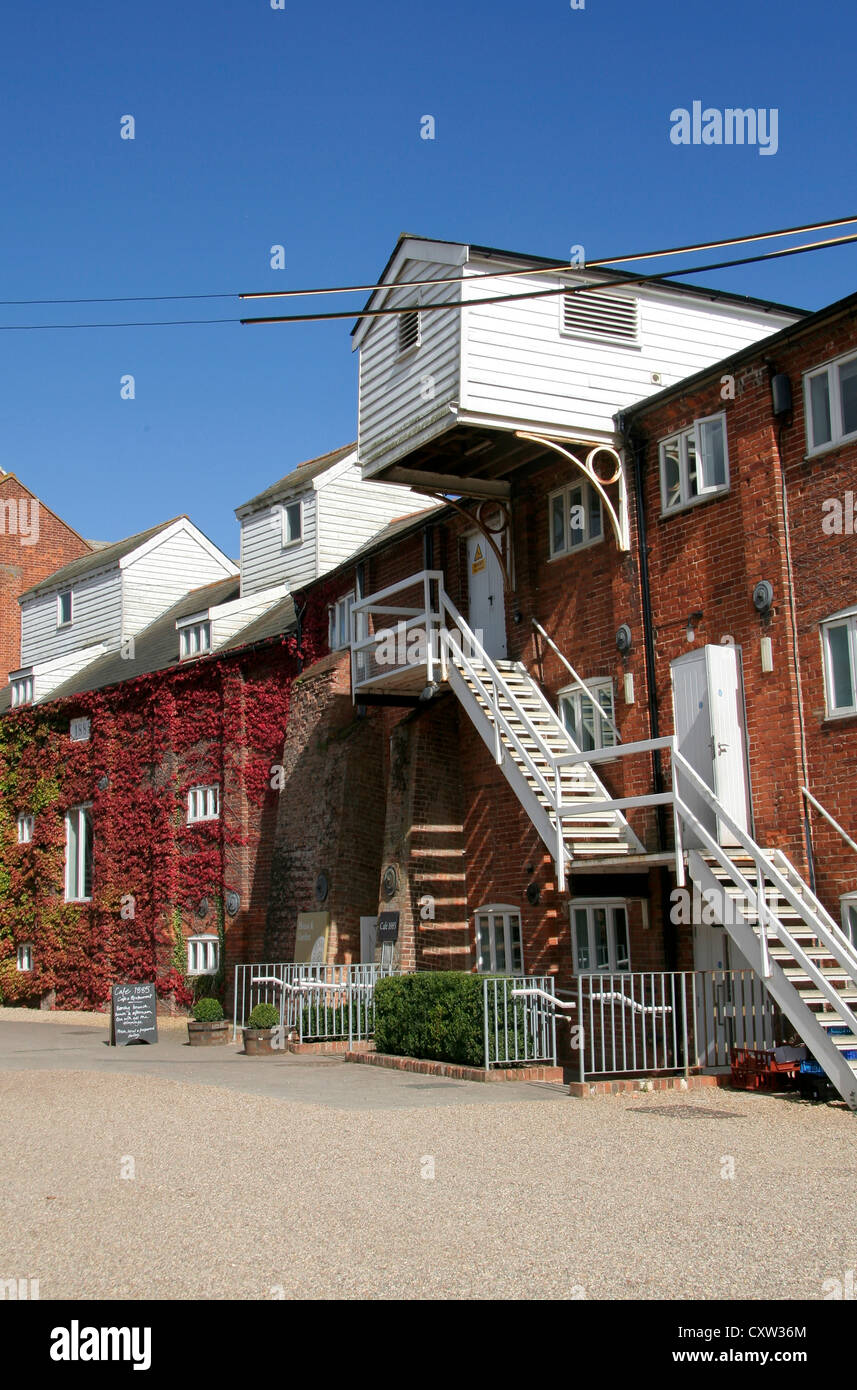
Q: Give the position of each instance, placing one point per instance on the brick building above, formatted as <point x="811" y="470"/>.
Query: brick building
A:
<point x="34" y="542"/>
<point x="665" y="581"/>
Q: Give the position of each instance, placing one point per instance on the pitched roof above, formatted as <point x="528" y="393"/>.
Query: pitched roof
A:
<point x="156" y="648"/>
<point x="300" y="474"/>
<point x="98" y="559"/>
<point x="608" y="272"/>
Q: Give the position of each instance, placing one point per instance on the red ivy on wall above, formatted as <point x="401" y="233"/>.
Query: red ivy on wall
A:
<point x="218" y="721"/>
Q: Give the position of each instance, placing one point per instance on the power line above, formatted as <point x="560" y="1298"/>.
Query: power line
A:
<point x="552" y="269"/>
<point x="544" y="294"/>
<point x="481" y="275"/>
<point x="150" y="323"/>
<point x="664" y="277"/>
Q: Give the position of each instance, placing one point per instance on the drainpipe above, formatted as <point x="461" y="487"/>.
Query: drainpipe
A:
<point x="781" y="407"/>
<point x="638" y="450"/>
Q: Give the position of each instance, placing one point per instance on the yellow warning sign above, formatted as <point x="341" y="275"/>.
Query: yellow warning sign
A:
<point x="478" y="560"/>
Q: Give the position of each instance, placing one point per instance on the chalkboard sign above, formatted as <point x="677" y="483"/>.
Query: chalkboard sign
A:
<point x="388" y="926"/>
<point x="133" y="1016"/>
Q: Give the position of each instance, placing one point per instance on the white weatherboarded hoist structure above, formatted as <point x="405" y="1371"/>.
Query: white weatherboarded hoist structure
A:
<point x="538" y="357"/>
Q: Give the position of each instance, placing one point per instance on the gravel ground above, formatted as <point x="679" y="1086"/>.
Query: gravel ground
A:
<point x="238" y="1195"/>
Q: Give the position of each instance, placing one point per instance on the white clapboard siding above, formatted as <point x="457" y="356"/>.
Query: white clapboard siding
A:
<point x="518" y="365"/>
<point x="509" y="365"/>
<point x="52" y="674"/>
<point x="157" y="578"/>
<point x="265" y="561"/>
<point x="229" y="618"/>
<point x="398" y="391"/>
<point x="96" y="617"/>
<point x="351" y="511"/>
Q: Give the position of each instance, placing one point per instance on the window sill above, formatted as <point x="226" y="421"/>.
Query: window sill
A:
<point x="695" y="502"/>
<point x="843" y="443"/>
<point x="569" y="554"/>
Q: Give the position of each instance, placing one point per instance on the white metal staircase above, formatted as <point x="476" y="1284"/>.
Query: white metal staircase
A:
<point x="807" y="963"/>
<point x="567" y="803"/>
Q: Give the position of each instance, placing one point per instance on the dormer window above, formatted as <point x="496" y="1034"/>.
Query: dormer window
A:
<point x="64" y="608"/>
<point x="22" y="691"/>
<point x="194" y="639"/>
<point x="409" y="331"/>
<point x="293" y="528"/>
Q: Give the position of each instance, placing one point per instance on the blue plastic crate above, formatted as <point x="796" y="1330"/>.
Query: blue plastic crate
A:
<point x="811" y="1069"/>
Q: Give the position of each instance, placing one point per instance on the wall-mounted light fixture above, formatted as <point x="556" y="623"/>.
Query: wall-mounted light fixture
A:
<point x="623" y="639"/>
<point x="693" y="619"/>
<point x="763" y="596"/>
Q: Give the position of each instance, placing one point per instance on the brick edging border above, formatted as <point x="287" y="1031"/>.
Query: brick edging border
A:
<point x="452" y="1070"/>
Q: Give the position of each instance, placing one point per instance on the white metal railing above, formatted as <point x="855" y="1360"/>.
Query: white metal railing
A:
<point x="318" y="1002"/>
<point x="637" y="1021"/>
<point x="443" y="638"/>
<point x="649" y="1022"/>
<point x="519" y="1019"/>
<point x="602" y="713"/>
<point x="828" y="817"/>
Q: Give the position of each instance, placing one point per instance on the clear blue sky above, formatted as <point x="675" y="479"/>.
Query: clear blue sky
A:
<point x="301" y="126"/>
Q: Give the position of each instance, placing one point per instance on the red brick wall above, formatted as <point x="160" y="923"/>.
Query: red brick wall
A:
<point x="25" y="559"/>
<point x="711" y="556"/>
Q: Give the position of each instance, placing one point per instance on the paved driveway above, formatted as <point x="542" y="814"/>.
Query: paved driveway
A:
<point x="142" y="1173"/>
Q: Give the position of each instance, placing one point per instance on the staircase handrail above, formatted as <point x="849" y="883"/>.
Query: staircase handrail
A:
<point x="496" y="675"/>
<point x="502" y="722"/>
<point x="828" y="817"/>
<point x="764" y="868"/>
<point x="577" y="680"/>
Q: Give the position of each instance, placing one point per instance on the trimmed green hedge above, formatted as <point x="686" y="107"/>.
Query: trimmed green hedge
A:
<point x="436" y="1016"/>
<point x="208" y="1010"/>
<point x="264" y="1016"/>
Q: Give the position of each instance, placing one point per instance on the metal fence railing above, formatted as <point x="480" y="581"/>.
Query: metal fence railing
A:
<point x="519" y="1020"/>
<point x="319" y="1002"/>
<point x="646" y="1022"/>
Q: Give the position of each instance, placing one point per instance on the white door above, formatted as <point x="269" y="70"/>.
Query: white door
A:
<point x="486" y="600"/>
<point x="709" y="723"/>
<point x="368" y="939"/>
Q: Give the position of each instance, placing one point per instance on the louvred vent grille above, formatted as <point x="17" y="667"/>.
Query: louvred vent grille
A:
<point x="409" y="331"/>
<point x="604" y="315"/>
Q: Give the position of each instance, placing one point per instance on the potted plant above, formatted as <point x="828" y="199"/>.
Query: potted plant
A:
<point x="208" y="1026"/>
<point x="260" y="1035"/>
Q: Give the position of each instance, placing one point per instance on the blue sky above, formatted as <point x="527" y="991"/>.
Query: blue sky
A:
<point x="301" y="127"/>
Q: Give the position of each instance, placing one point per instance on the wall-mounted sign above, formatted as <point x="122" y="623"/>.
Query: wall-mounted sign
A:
<point x="311" y="938"/>
<point x="233" y="902"/>
<point x="390" y="882"/>
<point x="478" y="562"/>
<point x="78" y="730"/>
<point x="322" y="887"/>
<point x="388" y="927"/>
<point x="133" y="1015"/>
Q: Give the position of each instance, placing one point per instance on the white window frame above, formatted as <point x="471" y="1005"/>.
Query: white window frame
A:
<point x="75" y="875"/>
<point x="340" y="622"/>
<point x="65" y="622"/>
<point x="704" y="490"/>
<point x="203" y="803"/>
<point x="203" y="955"/>
<point x="24" y="957"/>
<point x="603" y="735"/>
<point x="285" y="507"/>
<point x="848" y="912"/>
<point x="831" y="370"/>
<point x="195" y="638"/>
<point x="22" y="691"/>
<point x="26" y="826"/>
<point x="502" y="913"/>
<point x="587" y="535"/>
<point x="847" y="620"/>
<point x="589" y="906"/>
<point x="400" y="323"/>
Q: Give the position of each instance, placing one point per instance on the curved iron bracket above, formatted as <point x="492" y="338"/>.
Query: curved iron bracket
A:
<point x="619" y="519"/>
